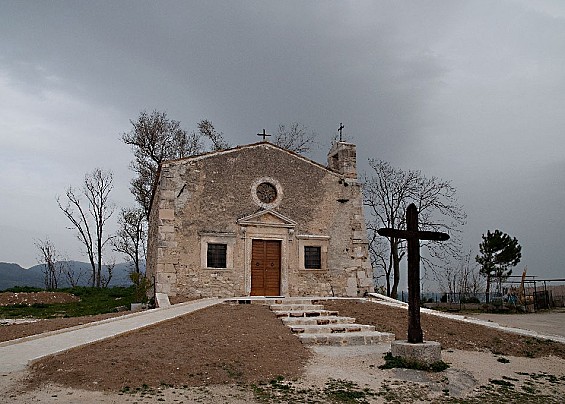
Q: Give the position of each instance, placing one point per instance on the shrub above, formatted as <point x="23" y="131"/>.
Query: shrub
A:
<point x="471" y="299"/>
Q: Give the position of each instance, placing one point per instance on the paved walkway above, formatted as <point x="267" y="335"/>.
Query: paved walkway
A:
<point x="17" y="354"/>
<point x="548" y="323"/>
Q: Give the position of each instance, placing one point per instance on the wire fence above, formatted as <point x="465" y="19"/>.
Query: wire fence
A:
<point x="533" y="299"/>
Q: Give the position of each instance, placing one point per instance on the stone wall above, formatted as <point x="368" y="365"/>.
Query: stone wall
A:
<point x="209" y="197"/>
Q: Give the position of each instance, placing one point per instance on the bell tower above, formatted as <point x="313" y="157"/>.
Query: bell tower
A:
<point x="342" y="158"/>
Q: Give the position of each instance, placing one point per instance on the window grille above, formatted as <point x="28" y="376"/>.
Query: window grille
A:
<point x="312" y="257"/>
<point x="216" y="257"/>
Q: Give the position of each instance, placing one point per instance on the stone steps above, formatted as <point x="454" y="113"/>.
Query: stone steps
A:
<point x="306" y="313"/>
<point x="296" y="307"/>
<point x="323" y="320"/>
<point x="347" y="339"/>
<point x="316" y="326"/>
<point x="268" y="301"/>
<point x="330" y="328"/>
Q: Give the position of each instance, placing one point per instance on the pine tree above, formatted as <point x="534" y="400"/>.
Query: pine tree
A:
<point x="499" y="253"/>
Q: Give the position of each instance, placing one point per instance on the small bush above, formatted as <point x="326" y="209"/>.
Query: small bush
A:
<point x="142" y="285"/>
<point x="399" y="362"/>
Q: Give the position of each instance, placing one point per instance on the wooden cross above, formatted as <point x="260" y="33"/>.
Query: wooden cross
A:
<point x="264" y="134"/>
<point x="341" y="127"/>
<point x="413" y="237"/>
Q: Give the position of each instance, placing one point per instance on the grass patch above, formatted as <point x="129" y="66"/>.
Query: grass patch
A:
<point x="336" y="391"/>
<point x="501" y="382"/>
<point x="342" y="391"/>
<point x="233" y="370"/>
<point x="92" y="301"/>
<point x="399" y="362"/>
<point x="23" y="289"/>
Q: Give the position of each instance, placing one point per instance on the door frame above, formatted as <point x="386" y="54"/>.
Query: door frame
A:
<point x="283" y="239"/>
<point x="267" y="225"/>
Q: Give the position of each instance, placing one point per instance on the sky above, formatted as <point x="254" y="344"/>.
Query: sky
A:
<point x="468" y="91"/>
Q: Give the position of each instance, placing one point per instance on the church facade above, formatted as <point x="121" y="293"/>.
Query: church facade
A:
<point x="258" y="220"/>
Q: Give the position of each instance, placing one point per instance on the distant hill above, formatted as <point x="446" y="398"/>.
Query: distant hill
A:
<point x="14" y="275"/>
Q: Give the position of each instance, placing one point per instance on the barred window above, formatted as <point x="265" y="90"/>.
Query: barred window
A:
<point x="312" y="257"/>
<point x="216" y="256"/>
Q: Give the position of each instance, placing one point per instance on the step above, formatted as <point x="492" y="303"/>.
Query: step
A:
<point x="306" y="313"/>
<point x="331" y="328"/>
<point x="296" y="307"/>
<point x="268" y="301"/>
<point x="345" y="339"/>
<point x="322" y="320"/>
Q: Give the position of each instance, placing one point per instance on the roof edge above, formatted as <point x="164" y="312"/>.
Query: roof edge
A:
<point x="247" y="146"/>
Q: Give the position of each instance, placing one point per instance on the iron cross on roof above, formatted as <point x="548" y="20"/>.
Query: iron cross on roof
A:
<point x="341" y="127"/>
<point x="413" y="237"/>
<point x="264" y="134"/>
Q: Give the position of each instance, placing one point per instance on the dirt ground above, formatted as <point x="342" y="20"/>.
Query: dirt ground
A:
<point x="243" y="354"/>
<point x="11" y="298"/>
<point x="449" y="333"/>
<point x="219" y="345"/>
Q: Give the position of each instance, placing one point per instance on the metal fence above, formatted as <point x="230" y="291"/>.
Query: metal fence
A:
<point x="534" y="299"/>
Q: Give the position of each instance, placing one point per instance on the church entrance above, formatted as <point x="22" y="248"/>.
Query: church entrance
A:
<point x="266" y="268"/>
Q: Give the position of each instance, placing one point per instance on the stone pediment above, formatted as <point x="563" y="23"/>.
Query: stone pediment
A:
<point x="267" y="218"/>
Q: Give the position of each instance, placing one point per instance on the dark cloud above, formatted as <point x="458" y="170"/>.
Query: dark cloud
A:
<point x="467" y="91"/>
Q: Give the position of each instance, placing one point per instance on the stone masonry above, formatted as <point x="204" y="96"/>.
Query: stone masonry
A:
<point x="219" y="198"/>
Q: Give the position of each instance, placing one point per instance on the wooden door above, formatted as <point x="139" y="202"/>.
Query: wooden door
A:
<point x="266" y="268"/>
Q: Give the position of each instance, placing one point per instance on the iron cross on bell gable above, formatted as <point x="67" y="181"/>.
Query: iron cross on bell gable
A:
<point x="413" y="237"/>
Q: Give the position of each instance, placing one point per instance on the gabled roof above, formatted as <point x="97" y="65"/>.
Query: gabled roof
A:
<point x="264" y="144"/>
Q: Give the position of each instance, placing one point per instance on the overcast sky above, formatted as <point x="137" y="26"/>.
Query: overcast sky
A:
<point x="469" y="91"/>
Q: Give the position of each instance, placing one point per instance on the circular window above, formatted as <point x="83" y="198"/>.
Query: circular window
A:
<point x="266" y="192"/>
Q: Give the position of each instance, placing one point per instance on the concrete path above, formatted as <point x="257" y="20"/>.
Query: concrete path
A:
<point x="548" y="323"/>
<point x="17" y="354"/>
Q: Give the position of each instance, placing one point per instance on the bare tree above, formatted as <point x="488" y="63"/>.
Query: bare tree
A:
<point x="49" y="257"/>
<point x="462" y="278"/>
<point x="386" y="194"/>
<point x="378" y="257"/>
<point x="207" y="130"/>
<point x="470" y="284"/>
<point x="295" y="137"/>
<point x="56" y="265"/>
<point x="155" y="138"/>
<point x="105" y="279"/>
<point x="90" y="221"/>
<point x="72" y="275"/>
<point x="131" y="237"/>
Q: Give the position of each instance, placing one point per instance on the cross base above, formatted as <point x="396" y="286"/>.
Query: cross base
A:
<point x="427" y="352"/>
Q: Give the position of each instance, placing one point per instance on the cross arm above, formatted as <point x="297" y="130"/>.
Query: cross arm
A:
<point x="409" y="234"/>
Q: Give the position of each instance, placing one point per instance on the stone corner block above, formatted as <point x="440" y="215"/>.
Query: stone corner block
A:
<point x="162" y="300"/>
